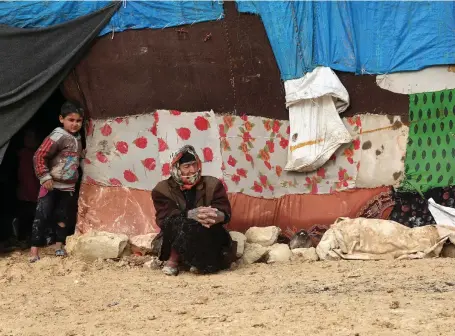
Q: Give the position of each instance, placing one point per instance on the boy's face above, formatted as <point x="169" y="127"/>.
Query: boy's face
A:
<point x="72" y="122"/>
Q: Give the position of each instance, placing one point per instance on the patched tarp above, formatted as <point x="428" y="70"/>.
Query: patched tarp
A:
<point x="132" y="14"/>
<point x="364" y="37"/>
<point x="431" y="145"/>
<point x="35" y="62"/>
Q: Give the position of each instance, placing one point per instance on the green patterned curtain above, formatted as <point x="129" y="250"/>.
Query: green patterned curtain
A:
<point x="430" y="154"/>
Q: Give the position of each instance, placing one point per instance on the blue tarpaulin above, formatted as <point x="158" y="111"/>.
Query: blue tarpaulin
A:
<point x="131" y="15"/>
<point x="365" y="37"/>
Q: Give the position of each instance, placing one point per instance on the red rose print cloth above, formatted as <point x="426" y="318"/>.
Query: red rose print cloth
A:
<point x="123" y="152"/>
<point x="198" y="129"/>
<point x="247" y="153"/>
<point x="135" y="151"/>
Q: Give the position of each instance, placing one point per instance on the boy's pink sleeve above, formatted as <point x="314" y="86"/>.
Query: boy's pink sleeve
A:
<point x="45" y="152"/>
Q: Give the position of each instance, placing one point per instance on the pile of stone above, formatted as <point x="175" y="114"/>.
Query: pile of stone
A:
<point x="260" y="244"/>
<point x="95" y="245"/>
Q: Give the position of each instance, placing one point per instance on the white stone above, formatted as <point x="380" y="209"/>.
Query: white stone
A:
<point x="142" y="243"/>
<point x="253" y="253"/>
<point x="307" y="254"/>
<point x="265" y="236"/>
<point x="241" y="240"/>
<point x="153" y="263"/>
<point x="279" y="253"/>
<point x="96" y="244"/>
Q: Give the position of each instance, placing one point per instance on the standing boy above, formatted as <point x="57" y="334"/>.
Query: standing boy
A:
<point x="56" y="165"/>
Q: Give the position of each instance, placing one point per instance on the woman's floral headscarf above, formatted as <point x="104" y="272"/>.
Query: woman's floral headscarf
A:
<point x="185" y="182"/>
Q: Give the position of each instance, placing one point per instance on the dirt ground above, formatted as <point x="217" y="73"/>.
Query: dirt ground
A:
<point x="69" y="297"/>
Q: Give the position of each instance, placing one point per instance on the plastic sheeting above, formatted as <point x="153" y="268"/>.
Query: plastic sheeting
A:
<point x="35" y="62"/>
<point x="130" y="211"/>
<point x="132" y="14"/>
<point x="317" y="131"/>
<point x="357" y="36"/>
<point x="441" y="78"/>
<point x="441" y="214"/>
<point x="2" y="151"/>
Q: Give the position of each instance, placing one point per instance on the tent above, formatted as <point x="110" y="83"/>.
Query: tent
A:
<point x="162" y="74"/>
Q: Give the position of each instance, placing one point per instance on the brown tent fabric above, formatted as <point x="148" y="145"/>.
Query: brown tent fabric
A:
<point x="130" y="211"/>
<point x="367" y="97"/>
<point x="226" y="65"/>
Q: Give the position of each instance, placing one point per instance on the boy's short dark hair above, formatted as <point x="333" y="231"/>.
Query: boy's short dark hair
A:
<point x="69" y="107"/>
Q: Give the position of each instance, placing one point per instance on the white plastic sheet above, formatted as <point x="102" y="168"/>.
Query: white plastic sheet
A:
<point x="430" y="79"/>
<point x="316" y="129"/>
<point x="441" y="214"/>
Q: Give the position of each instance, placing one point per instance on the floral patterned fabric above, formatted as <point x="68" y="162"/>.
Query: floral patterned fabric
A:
<point x="247" y="153"/>
<point x="254" y="152"/>
<point x="411" y="209"/>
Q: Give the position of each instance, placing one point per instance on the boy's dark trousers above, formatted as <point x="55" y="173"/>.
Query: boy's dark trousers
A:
<point x="52" y="208"/>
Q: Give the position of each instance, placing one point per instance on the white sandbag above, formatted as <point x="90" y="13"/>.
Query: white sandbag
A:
<point x="316" y="129"/>
<point x="376" y="239"/>
<point x="441" y="214"/>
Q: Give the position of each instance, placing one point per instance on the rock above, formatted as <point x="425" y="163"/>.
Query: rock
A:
<point x="307" y="254"/>
<point x="96" y="244"/>
<point x="142" y="243"/>
<point x="253" y="253"/>
<point x="265" y="236"/>
<point x="279" y="253"/>
<point x="241" y="240"/>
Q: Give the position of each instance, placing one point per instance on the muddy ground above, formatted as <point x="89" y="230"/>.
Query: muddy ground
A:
<point x="69" y="297"/>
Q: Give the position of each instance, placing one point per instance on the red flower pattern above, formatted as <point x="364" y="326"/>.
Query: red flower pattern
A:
<point x="101" y="157"/>
<point x="115" y="182"/>
<point x="235" y="178"/>
<point x="242" y="172"/>
<point x="284" y="143"/>
<point x="149" y="163"/>
<point x="201" y="123"/>
<point x="231" y="161"/>
<point x="184" y="133"/>
<point x="130" y="176"/>
<point x="162" y="145"/>
<point x="141" y="142"/>
<point x="270" y="148"/>
<point x="166" y="169"/>
<point x="122" y="147"/>
<point x="106" y="130"/>
<point x="208" y="154"/>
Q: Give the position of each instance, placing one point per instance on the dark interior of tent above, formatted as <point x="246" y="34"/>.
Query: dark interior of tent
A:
<point x="16" y="175"/>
